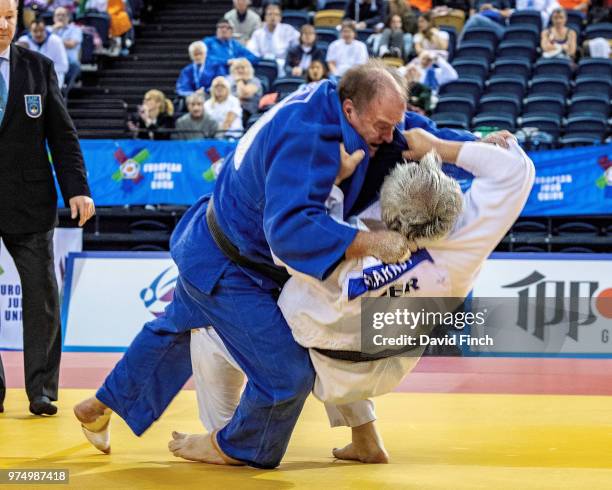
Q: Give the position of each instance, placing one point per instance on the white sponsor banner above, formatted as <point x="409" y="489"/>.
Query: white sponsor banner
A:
<point x="557" y="304"/>
<point x="110" y="296"/>
<point x="65" y="240"/>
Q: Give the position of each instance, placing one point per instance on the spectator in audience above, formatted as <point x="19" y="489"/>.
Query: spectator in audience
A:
<point x="246" y="87"/>
<point x="430" y="38"/>
<point x="489" y="13"/>
<point x="48" y="44"/>
<point x="582" y="5"/>
<point x="243" y="20"/>
<point x="94" y="6"/>
<point x="154" y="119"/>
<point x="406" y="13"/>
<point x="545" y="7"/>
<point x="33" y="9"/>
<point x="223" y="50"/>
<point x="196" y="124"/>
<point x="347" y="51"/>
<point x="196" y="76"/>
<point x="366" y="13"/>
<point x="69" y="5"/>
<point x="273" y="40"/>
<point x="420" y="96"/>
<point x="394" y="41"/>
<point x="300" y="56"/>
<point x="224" y="108"/>
<point x="558" y="41"/>
<point x="72" y="37"/>
<point x="431" y="70"/>
<point x="316" y="72"/>
<point x="120" y="24"/>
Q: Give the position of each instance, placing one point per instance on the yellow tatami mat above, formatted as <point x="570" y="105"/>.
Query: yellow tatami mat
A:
<point x="436" y="441"/>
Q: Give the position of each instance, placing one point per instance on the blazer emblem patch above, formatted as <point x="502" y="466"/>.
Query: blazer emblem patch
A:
<point x="33" y="105"/>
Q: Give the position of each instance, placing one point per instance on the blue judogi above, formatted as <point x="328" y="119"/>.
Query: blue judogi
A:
<point x="194" y="77"/>
<point x="269" y="195"/>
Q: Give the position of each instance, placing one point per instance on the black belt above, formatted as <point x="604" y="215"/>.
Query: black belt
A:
<point x="277" y="274"/>
<point x="356" y="356"/>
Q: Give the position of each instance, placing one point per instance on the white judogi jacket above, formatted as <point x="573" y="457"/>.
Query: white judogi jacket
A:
<point x="326" y="314"/>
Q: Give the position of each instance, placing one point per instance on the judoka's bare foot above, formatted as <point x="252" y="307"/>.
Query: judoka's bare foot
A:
<point x="95" y="422"/>
<point x="200" y="447"/>
<point x="367" y="446"/>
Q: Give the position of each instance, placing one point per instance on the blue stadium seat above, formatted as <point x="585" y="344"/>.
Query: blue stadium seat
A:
<point x="469" y="68"/>
<point x="265" y="83"/>
<point x="548" y="124"/>
<point x="590" y="105"/>
<point x="47" y="17"/>
<point x="468" y="88"/>
<point x="524" y="33"/>
<point x="87" y="49"/>
<point x="326" y="34"/>
<point x="602" y="29"/>
<point x="452" y="120"/>
<point x="480" y="34"/>
<point x="506" y="86"/>
<point x="501" y="121"/>
<point x="513" y="68"/>
<point x="516" y="49"/>
<point x="580" y="139"/>
<point x="475" y="50"/>
<point x="575" y="20"/>
<point x="456" y="104"/>
<point x="323" y="46"/>
<point x="553" y="68"/>
<point x="545" y="85"/>
<point x="296" y="18"/>
<point x="267" y="68"/>
<point x="590" y="85"/>
<point x="500" y="104"/>
<point x="542" y="105"/>
<point x="531" y="17"/>
<point x="586" y="124"/>
<point x="596" y="67"/>
<point x="286" y="85"/>
<point x="335" y="4"/>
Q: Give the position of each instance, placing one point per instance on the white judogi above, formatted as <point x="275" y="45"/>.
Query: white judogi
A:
<point x="324" y="314"/>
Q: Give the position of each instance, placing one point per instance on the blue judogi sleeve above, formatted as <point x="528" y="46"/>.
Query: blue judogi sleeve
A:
<point x="414" y="120"/>
<point x="292" y="219"/>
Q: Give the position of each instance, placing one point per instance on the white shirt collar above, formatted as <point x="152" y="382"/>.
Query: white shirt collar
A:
<point x="6" y="54"/>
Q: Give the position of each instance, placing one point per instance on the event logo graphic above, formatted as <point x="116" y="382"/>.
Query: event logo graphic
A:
<point x="555" y="302"/>
<point x="605" y="181"/>
<point x="216" y="161"/>
<point x="160" y="292"/>
<point x="129" y="172"/>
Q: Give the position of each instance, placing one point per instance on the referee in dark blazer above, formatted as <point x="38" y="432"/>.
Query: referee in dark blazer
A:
<point x="32" y="115"/>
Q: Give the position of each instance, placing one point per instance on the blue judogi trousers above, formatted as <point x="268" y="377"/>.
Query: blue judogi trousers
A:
<point x="248" y="320"/>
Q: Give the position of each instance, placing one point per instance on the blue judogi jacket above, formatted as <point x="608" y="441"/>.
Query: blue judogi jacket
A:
<point x="272" y="190"/>
<point x="219" y="52"/>
<point x="194" y="77"/>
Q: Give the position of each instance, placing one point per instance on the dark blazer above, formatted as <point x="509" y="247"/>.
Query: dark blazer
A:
<point x="28" y="200"/>
<point x="294" y="56"/>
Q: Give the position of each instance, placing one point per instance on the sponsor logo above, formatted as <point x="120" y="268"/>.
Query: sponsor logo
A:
<point x="159" y="293"/>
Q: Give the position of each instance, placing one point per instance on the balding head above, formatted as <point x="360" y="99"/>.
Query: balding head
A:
<point x="373" y="100"/>
<point x="8" y="22"/>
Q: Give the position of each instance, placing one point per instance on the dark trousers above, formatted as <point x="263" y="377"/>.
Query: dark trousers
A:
<point x="42" y="340"/>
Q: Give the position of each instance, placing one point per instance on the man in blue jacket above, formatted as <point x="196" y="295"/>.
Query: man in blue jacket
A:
<point x="269" y="197"/>
<point x="223" y="49"/>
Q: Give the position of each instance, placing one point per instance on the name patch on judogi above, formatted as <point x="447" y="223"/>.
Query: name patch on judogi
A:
<point x="33" y="105"/>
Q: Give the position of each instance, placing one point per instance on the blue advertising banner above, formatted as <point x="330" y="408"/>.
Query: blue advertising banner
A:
<point x="572" y="181"/>
<point x="139" y="172"/>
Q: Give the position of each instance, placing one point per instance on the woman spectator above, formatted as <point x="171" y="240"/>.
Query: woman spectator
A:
<point x="154" y="119"/>
<point x="224" y="108"/>
<point x="407" y="14"/>
<point x="299" y="57"/>
<point x="196" y="76"/>
<point x="429" y="38"/>
<point x="558" y="41"/>
<point x="394" y="41"/>
<point x="245" y="86"/>
<point x="316" y="72"/>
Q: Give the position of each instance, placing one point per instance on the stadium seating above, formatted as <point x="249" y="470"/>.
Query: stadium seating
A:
<point x="326" y="34"/>
<point x="296" y="18"/>
<point x="529" y="17"/>
<point x="285" y="86"/>
<point x="548" y="124"/>
<point x="516" y="49"/>
<point x="500" y="104"/>
<point x="513" y="68"/>
<point x="469" y="88"/>
<point x="544" y="105"/>
<point x="474" y="50"/>
<point x="501" y="121"/>
<point x="471" y="68"/>
<point x="508" y="86"/>
<point x="268" y="69"/>
<point x="603" y="29"/>
<point x="328" y="18"/>
<point x="522" y="32"/>
<point x="545" y="85"/>
<point x="596" y="105"/>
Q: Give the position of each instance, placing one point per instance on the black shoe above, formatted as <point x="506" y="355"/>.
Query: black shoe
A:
<point x="42" y="406"/>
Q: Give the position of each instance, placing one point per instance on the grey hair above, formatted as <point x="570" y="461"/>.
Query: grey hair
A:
<point x="420" y="201"/>
<point x="195" y="45"/>
<point x="195" y="96"/>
